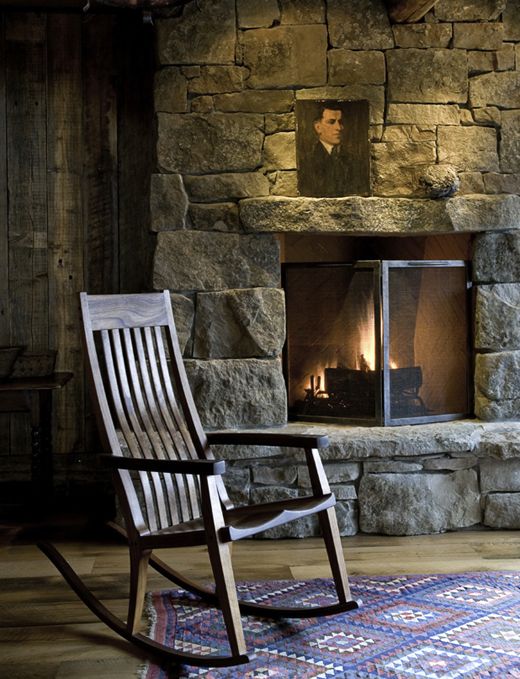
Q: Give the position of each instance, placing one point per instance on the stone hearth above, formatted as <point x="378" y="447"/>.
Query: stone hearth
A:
<point x="443" y="97"/>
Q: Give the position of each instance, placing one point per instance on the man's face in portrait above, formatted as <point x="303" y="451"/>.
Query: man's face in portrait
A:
<point x="330" y="126"/>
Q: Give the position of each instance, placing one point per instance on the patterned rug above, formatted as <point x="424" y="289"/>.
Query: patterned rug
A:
<point x="449" y="626"/>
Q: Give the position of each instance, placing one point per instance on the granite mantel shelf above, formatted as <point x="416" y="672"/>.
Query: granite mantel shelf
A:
<point x="357" y="215"/>
<point x="460" y="438"/>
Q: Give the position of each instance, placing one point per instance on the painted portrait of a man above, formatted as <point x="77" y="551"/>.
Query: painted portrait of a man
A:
<point x="332" y="148"/>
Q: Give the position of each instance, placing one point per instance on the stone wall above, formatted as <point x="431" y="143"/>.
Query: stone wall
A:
<point x="444" y="98"/>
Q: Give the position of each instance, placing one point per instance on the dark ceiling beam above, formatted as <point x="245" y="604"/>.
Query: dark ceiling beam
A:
<point x="406" y="11"/>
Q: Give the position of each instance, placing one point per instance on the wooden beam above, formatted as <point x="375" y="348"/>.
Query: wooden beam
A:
<point x="407" y="11"/>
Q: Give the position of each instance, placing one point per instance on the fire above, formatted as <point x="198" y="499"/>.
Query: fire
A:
<point x="366" y="357"/>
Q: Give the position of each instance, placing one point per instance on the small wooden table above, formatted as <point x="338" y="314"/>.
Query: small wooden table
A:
<point x="33" y="395"/>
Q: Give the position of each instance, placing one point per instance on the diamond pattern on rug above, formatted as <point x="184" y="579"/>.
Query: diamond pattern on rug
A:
<point x="433" y="626"/>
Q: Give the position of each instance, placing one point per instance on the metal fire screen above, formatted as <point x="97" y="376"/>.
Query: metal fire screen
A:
<point x="378" y="342"/>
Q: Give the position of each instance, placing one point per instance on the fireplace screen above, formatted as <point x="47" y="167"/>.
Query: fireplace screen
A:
<point x="377" y="342"/>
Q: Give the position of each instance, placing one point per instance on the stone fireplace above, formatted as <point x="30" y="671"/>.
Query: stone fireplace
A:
<point x="444" y="104"/>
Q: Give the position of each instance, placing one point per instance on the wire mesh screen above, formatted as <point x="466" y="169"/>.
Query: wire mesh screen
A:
<point x="428" y="341"/>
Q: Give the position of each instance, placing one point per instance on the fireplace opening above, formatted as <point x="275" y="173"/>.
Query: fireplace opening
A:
<point x="378" y="341"/>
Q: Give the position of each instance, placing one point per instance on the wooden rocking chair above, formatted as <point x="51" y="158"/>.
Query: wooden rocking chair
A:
<point x="169" y="485"/>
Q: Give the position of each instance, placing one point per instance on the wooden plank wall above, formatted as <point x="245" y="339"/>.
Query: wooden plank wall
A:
<point x="63" y="172"/>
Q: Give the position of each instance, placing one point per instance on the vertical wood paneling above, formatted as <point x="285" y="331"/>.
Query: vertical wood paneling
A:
<point x="100" y="116"/>
<point x="135" y="42"/>
<point x="65" y="210"/>
<point x="69" y="157"/>
<point x="27" y="189"/>
<point x="4" y="251"/>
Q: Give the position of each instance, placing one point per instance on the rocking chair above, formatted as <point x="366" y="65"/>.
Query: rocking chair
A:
<point x="169" y="485"/>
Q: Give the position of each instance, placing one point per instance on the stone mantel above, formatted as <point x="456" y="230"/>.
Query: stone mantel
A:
<point x="358" y="215"/>
<point x="460" y="438"/>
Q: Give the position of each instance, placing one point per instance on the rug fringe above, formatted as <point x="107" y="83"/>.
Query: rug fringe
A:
<point x="151" y="616"/>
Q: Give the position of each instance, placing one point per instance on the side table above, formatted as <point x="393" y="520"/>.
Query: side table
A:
<point x="33" y="395"/>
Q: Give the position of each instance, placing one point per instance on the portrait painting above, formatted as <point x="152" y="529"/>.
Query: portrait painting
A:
<point x="332" y="147"/>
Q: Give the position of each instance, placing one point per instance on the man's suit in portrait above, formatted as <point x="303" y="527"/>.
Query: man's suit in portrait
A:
<point x="325" y="174"/>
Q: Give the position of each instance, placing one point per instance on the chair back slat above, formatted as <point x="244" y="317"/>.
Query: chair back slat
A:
<point x="153" y="446"/>
<point x="156" y="413"/>
<point x="136" y="384"/>
<point x="169" y="429"/>
<point x="129" y="437"/>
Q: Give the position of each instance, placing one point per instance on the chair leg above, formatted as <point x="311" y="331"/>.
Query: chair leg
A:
<point x="220" y="558"/>
<point x="331" y="536"/>
<point x="138" y="579"/>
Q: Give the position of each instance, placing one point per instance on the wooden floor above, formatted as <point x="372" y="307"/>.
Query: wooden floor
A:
<point x="45" y="631"/>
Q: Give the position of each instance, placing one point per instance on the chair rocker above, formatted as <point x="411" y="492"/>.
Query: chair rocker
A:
<point x="169" y="485"/>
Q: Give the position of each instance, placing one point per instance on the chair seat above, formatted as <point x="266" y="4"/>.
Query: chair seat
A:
<point x="242" y="522"/>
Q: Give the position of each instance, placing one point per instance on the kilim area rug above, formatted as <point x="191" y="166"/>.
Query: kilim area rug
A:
<point x="449" y="626"/>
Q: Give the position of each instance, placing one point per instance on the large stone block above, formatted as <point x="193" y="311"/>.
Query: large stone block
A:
<point x="496" y="258"/>
<point x="226" y="186"/>
<point x="214" y="216"/>
<point x="511" y="19"/>
<point x="359" y="25"/>
<point x="284" y="183"/>
<point x="282" y="122"/>
<point x="423" y="114"/>
<point x="500" y="89"/>
<point x="204" y="34"/>
<point x="240" y="323"/>
<point x="216" y="142"/>
<point x="497" y="385"/>
<point x="497" y="317"/>
<point x="502" y="183"/>
<point x="257" y="13"/>
<point x="279" y="57"/>
<point x="217" y="79"/>
<point x="500" y="441"/>
<point x="238" y="393"/>
<point x="255" y="101"/>
<point x="196" y="260"/>
<point x="351" y="67"/>
<point x="470" y="213"/>
<point x="414" y="504"/>
<point x="397" y="166"/>
<point x="422" y="35"/>
<point x="168" y="202"/>
<point x="476" y="10"/>
<point x="302" y="11"/>
<point x="280" y="151"/>
<point x="502" y="511"/>
<point x="434" y="76"/>
<point x="510" y="141"/>
<point x="478" y="36"/>
<point x="170" y="91"/>
<point x="468" y="148"/>
<point x="184" y="313"/>
<point x="500" y="476"/>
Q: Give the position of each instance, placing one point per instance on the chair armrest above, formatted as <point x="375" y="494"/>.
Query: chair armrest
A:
<point x="267" y="439"/>
<point x="198" y="467"/>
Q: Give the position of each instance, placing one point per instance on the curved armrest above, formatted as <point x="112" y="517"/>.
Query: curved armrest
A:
<point x="198" y="467"/>
<point x="267" y="439"/>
